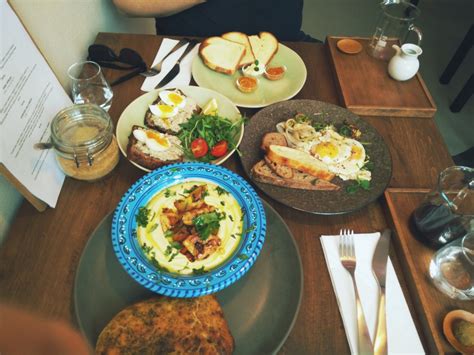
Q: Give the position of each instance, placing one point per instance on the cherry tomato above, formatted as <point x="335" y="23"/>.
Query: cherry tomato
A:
<point x="219" y="149"/>
<point x="199" y="147"/>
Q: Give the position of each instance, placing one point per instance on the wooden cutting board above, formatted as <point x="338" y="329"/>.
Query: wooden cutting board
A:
<point x="431" y="305"/>
<point x="366" y="89"/>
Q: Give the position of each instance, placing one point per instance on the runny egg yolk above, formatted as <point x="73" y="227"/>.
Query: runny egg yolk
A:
<point x="356" y="153"/>
<point x="326" y="150"/>
<point x="158" y="138"/>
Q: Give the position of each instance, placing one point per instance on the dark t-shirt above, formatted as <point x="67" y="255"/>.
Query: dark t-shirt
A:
<point x="215" y="17"/>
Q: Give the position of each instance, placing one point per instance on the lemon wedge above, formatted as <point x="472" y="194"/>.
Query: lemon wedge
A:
<point x="210" y="108"/>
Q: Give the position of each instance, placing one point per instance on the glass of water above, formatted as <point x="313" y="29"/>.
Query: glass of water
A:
<point x="89" y="85"/>
<point x="452" y="268"/>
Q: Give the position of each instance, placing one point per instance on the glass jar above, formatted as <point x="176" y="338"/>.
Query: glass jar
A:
<point x="82" y="137"/>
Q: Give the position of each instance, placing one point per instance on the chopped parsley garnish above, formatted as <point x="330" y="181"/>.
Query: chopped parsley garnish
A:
<point x="243" y="256"/>
<point x="146" y="248"/>
<point x="142" y="216"/>
<point x="169" y="193"/>
<point x="168" y="233"/>
<point x="222" y="203"/>
<point x="359" y="184"/>
<point x="207" y="223"/>
<point x="249" y="229"/>
<point x="231" y="218"/>
<point x="153" y="227"/>
<point x="200" y="271"/>
<point x="221" y="191"/>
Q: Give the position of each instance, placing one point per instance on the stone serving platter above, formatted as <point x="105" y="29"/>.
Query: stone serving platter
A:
<point x="318" y="202"/>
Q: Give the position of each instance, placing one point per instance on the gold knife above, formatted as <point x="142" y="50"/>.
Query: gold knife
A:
<point x="379" y="268"/>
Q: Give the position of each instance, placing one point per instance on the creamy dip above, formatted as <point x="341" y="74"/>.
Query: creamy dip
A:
<point x="157" y="246"/>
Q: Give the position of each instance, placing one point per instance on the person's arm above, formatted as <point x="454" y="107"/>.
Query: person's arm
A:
<point x="154" y="8"/>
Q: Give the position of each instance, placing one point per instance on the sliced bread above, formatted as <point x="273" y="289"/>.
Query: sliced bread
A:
<point x="299" y="160"/>
<point x="221" y="55"/>
<point x="261" y="172"/>
<point x="264" y="46"/>
<point x="273" y="138"/>
<point x="241" y="38"/>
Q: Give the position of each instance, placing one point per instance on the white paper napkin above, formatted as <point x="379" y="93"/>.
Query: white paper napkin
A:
<point x="184" y="76"/>
<point x="402" y="335"/>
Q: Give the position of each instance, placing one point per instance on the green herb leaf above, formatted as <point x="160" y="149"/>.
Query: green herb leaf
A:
<point x="142" y="216"/>
<point x="157" y="265"/>
<point x="221" y="191"/>
<point x="153" y="227"/>
<point x="200" y="271"/>
<point x="243" y="256"/>
<point x="369" y="165"/>
<point x="207" y="223"/>
<point x="365" y="184"/>
<point x="146" y="248"/>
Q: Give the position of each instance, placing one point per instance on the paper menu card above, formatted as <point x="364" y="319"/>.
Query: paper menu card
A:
<point x="30" y="97"/>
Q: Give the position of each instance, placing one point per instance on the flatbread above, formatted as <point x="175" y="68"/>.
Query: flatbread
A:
<point x="163" y="325"/>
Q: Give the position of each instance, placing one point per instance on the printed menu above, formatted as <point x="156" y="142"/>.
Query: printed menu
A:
<point x="30" y="97"/>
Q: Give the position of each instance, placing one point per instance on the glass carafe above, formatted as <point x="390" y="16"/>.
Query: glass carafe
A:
<point x="447" y="213"/>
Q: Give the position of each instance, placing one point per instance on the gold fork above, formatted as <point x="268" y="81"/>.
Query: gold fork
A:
<point x="348" y="261"/>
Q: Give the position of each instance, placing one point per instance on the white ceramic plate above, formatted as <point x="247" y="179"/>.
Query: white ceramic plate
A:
<point x="267" y="92"/>
<point x="135" y="112"/>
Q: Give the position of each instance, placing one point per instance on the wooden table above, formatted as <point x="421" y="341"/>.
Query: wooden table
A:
<point x="41" y="253"/>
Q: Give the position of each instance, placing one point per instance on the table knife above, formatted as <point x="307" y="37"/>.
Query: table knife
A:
<point x="175" y="70"/>
<point x="379" y="267"/>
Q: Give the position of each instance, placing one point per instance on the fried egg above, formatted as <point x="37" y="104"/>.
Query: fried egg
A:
<point x="344" y="156"/>
<point x="172" y="98"/>
<point x="155" y="141"/>
<point x="163" y="110"/>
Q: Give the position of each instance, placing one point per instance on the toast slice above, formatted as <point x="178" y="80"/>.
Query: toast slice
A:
<point x="241" y="38"/>
<point x="273" y="138"/>
<point x="264" y="47"/>
<point x="299" y="160"/>
<point x="221" y="55"/>
<point x="261" y="172"/>
<point x="140" y="153"/>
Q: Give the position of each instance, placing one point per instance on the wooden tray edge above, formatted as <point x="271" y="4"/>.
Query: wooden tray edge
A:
<point x="430" y="327"/>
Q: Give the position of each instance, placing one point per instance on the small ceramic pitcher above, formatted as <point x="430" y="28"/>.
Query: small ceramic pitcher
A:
<point x="404" y="64"/>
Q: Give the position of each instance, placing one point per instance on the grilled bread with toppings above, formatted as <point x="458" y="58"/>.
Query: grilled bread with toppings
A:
<point x="169" y="110"/>
<point x="152" y="149"/>
<point x="164" y="325"/>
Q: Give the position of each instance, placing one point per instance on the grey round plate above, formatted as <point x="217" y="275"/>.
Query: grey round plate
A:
<point x="318" y="202"/>
<point x="260" y="308"/>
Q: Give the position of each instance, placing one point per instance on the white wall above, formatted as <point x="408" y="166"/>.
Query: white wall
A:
<point x="62" y="30"/>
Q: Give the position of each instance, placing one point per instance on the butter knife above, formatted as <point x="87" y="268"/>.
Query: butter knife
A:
<point x="175" y="70"/>
<point x="379" y="268"/>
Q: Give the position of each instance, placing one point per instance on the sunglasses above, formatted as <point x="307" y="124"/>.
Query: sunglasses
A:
<point x="126" y="60"/>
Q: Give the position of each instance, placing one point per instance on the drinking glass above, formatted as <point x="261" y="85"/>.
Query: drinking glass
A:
<point x="394" y="24"/>
<point x="89" y="85"/>
<point x="452" y="268"/>
<point x="447" y="212"/>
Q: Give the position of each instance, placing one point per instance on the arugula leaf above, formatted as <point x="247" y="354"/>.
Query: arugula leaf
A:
<point x="207" y="223"/>
<point x="142" y="216"/>
<point x="359" y="184"/>
<point x="212" y="129"/>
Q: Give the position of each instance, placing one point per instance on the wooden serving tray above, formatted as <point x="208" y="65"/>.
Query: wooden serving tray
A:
<point x="365" y="87"/>
<point x="430" y="304"/>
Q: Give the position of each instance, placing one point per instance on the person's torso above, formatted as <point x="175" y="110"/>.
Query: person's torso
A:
<point x="280" y="17"/>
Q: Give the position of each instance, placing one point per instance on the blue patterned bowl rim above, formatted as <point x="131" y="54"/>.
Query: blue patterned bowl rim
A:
<point x="131" y="257"/>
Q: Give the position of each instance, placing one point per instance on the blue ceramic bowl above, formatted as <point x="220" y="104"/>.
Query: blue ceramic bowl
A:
<point x="131" y="256"/>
